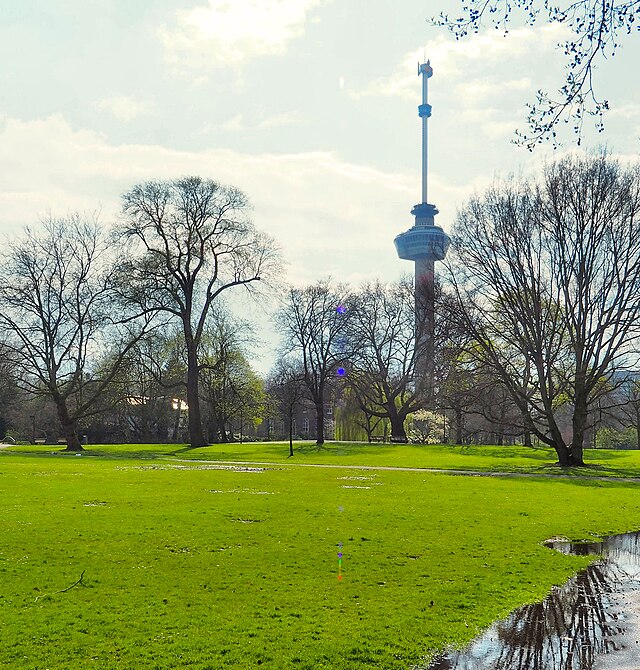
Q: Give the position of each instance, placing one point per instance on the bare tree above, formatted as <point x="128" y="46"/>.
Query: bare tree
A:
<point x="231" y="388"/>
<point x="286" y="386"/>
<point x="58" y="313"/>
<point x="384" y="362"/>
<point x="314" y="322"/>
<point x="191" y="240"/>
<point x="8" y="389"/>
<point x="144" y="401"/>
<point x="629" y="410"/>
<point x="478" y="405"/>
<point x="597" y="30"/>
<point x="548" y="281"/>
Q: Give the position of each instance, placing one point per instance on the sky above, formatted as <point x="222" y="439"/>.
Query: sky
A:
<point x="309" y="106"/>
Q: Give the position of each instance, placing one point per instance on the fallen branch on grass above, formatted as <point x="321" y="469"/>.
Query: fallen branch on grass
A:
<point x="48" y="595"/>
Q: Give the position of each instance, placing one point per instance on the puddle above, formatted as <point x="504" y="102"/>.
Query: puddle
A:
<point x="590" y="623"/>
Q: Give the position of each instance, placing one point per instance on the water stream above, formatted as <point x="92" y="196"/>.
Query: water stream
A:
<point x="590" y="623"/>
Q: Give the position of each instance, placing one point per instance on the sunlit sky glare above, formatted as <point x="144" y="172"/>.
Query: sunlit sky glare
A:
<point x="307" y="105"/>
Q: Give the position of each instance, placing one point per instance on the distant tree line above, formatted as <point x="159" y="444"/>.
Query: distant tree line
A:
<point x="124" y="334"/>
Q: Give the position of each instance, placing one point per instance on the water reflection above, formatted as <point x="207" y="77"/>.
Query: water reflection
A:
<point x="593" y="616"/>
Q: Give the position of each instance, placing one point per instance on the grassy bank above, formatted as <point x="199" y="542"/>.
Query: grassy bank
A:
<point x="191" y="566"/>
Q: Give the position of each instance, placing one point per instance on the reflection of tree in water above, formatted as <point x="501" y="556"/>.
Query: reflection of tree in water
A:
<point x="570" y="628"/>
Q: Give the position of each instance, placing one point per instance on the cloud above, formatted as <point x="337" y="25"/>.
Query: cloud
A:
<point x="123" y="107"/>
<point x="471" y="61"/>
<point x="628" y="111"/>
<point x="332" y="217"/>
<point x="481" y="84"/>
<point x="231" y="32"/>
<point x="237" y="122"/>
<point x="487" y="87"/>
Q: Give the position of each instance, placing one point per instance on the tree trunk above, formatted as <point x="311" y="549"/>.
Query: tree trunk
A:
<point x="176" y="425"/>
<point x="320" y="423"/>
<point x="368" y="428"/>
<point x="564" y="454"/>
<point x="290" y="434"/>
<point x="213" y="429"/>
<point x="579" y="426"/>
<point x="226" y="434"/>
<point x="68" y="427"/>
<point x="459" y="436"/>
<point x="398" y="433"/>
<point x="319" y="405"/>
<point x="558" y="443"/>
<point x="196" y="433"/>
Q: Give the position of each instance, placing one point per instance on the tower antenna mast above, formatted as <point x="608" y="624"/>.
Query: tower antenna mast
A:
<point x="424" y="110"/>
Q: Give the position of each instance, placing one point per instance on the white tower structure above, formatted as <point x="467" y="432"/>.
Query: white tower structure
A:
<point x="424" y="244"/>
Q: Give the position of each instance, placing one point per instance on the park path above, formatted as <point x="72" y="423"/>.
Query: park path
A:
<point x="440" y="471"/>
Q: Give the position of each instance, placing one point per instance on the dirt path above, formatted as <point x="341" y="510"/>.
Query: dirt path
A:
<point x="463" y="473"/>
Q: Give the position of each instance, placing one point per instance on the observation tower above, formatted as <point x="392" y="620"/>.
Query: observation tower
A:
<point x="424" y="244"/>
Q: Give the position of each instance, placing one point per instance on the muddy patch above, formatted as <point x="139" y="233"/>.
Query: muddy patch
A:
<point x="352" y="478"/>
<point x="228" y="468"/>
<point x="247" y="491"/>
<point x="590" y="623"/>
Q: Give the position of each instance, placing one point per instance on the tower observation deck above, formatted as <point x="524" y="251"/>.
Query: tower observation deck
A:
<point x="424" y="244"/>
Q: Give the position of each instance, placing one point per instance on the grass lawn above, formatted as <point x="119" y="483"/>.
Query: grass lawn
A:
<point x="601" y="462"/>
<point x="189" y="566"/>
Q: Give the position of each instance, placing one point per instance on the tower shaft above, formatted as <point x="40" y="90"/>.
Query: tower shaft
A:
<point x="424" y="244"/>
<point x="424" y="296"/>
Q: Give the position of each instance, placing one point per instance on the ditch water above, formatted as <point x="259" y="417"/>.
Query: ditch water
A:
<point x="590" y="623"/>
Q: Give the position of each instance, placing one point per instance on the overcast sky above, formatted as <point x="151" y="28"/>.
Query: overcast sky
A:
<point x="307" y="105"/>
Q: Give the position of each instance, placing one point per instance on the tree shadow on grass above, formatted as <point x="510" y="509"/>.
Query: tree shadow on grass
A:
<point x="114" y="452"/>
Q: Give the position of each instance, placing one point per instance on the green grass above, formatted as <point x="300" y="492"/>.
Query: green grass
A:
<point x="601" y="462"/>
<point x="481" y="458"/>
<point x="192" y="567"/>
